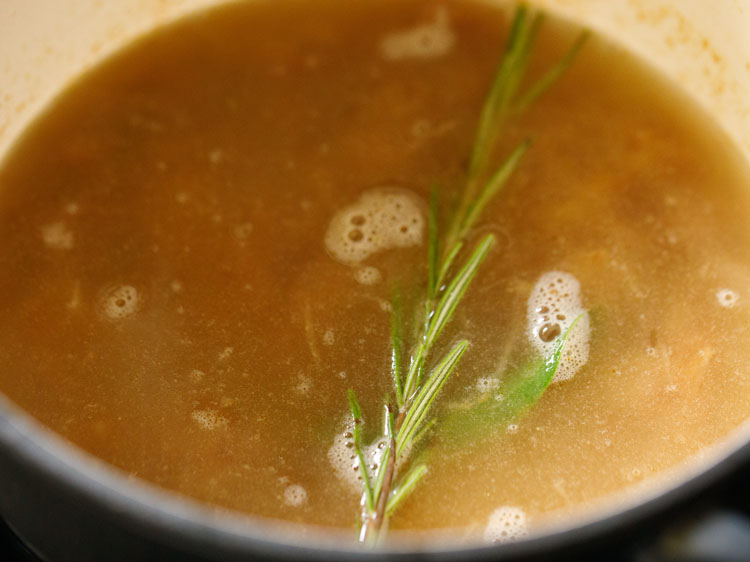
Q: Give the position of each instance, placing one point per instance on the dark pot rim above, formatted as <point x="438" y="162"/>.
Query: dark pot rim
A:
<point x="186" y="524"/>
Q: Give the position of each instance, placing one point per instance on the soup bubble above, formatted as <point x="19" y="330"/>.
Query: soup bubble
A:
<point x="295" y="495"/>
<point x="426" y="41"/>
<point x="209" y="419"/>
<point x="506" y="524"/>
<point x="553" y="307"/>
<point x="726" y="298"/>
<point x="120" y="302"/>
<point x="58" y="236"/>
<point x="382" y="219"/>
<point x="368" y="275"/>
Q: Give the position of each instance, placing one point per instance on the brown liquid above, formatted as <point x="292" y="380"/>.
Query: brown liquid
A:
<point x="167" y="303"/>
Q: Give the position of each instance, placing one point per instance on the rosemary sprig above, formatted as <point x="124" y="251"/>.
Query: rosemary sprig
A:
<point x="415" y="391"/>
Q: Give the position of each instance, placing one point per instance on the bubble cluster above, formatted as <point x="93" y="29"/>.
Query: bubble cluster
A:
<point x="429" y="40"/>
<point x="304" y="384"/>
<point x="57" y="236"/>
<point x="295" y="495"/>
<point x="506" y="524"/>
<point x="120" y="302"/>
<point x="381" y="219"/>
<point x="368" y="275"/>
<point x="344" y="460"/>
<point x="553" y="307"/>
<point x="727" y="298"/>
<point x="487" y="384"/>
<point x="209" y="419"/>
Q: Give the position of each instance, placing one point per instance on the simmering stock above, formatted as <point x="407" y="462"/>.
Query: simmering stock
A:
<point x="186" y="291"/>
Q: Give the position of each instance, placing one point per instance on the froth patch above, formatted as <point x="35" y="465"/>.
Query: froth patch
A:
<point x="343" y="459"/>
<point x="368" y="275"/>
<point x="506" y="524"/>
<point x="120" y="302"/>
<point x="727" y="298"/>
<point x="209" y="419"/>
<point x="425" y="41"/>
<point x="554" y="304"/>
<point x="295" y="495"/>
<point x="57" y="236"/>
<point x="380" y="220"/>
<point x="487" y="384"/>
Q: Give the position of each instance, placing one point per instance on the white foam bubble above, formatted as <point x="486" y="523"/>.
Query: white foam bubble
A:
<point x="727" y="298"/>
<point x="425" y="41"/>
<point x="343" y="459"/>
<point x="329" y="337"/>
<point x="304" y="384"/>
<point x="487" y="384"/>
<point x="120" y="302"/>
<point x="506" y="524"/>
<point x="209" y="419"/>
<point x="380" y="220"/>
<point x="384" y="305"/>
<point x="57" y="236"/>
<point x="295" y="495"/>
<point x="553" y="306"/>
<point x="368" y="275"/>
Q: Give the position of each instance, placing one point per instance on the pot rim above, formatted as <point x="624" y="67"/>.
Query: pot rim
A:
<point x="175" y="520"/>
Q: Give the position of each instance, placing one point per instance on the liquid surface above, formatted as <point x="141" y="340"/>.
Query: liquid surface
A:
<point x="173" y="297"/>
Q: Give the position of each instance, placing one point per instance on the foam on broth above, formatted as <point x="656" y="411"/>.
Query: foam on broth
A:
<point x="170" y="300"/>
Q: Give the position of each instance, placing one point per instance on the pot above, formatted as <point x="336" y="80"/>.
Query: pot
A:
<point x="68" y="505"/>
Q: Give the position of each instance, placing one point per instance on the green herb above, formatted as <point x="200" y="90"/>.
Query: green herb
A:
<point x="408" y="420"/>
<point x="522" y="389"/>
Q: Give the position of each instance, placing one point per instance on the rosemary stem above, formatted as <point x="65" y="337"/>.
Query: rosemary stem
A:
<point x="374" y="523"/>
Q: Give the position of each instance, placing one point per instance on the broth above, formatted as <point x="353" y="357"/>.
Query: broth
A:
<point x="171" y="300"/>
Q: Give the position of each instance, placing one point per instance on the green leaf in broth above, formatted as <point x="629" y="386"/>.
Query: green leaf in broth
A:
<point x="524" y="387"/>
